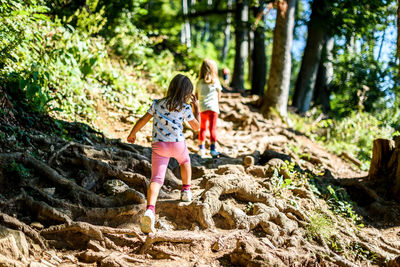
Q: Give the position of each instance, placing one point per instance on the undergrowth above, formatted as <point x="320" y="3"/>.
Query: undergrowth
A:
<point x="353" y="134"/>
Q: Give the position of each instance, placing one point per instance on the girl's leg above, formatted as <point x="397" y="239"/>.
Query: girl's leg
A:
<point x="158" y="168"/>
<point x="152" y="193"/>
<point x="213" y="129"/>
<point x="181" y="154"/>
<point x="203" y="128"/>
<point x="159" y="164"/>
<point x="186" y="173"/>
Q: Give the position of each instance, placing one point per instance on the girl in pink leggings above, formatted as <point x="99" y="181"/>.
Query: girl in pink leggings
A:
<point x="168" y="115"/>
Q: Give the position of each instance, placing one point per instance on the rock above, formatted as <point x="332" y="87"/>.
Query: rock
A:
<point x="248" y="161"/>
<point x="13" y="243"/>
<point x="115" y="186"/>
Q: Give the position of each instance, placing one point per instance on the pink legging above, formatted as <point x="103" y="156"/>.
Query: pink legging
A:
<point x="160" y="155"/>
<point x="211" y="117"/>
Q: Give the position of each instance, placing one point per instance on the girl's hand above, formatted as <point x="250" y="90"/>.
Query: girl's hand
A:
<point x="131" y="138"/>
<point x="194" y="100"/>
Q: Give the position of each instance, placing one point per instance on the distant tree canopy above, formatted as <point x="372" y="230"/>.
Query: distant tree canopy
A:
<point x="348" y="63"/>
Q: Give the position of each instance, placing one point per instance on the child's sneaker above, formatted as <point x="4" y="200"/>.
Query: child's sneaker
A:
<point x="202" y="153"/>
<point x="214" y="153"/>
<point x="147" y="222"/>
<point x="186" y="195"/>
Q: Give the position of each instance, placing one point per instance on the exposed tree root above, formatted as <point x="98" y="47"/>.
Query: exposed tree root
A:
<point x="14" y="223"/>
<point x="174" y="237"/>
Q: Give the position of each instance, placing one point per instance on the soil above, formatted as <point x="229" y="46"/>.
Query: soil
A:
<point x="264" y="202"/>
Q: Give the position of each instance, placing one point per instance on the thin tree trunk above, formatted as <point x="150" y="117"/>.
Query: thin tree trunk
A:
<point x="227" y="32"/>
<point x="309" y="65"/>
<point x="398" y="32"/>
<point x="185" y="34"/>
<point x="325" y="76"/>
<point x="279" y="76"/>
<point x="241" y="19"/>
<point x="259" y="58"/>
<point x="250" y="46"/>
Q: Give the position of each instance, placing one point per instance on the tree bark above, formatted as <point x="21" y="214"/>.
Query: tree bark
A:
<point x="381" y="153"/>
<point x="398" y="32"/>
<point x="324" y="77"/>
<point x="259" y="58"/>
<point x="227" y="33"/>
<point x="309" y="65"/>
<point x="279" y="76"/>
<point x="241" y="19"/>
<point x="185" y="33"/>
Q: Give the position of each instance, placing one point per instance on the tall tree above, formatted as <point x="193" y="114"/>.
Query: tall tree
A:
<point x="259" y="58"/>
<point x="241" y="42"/>
<point x="279" y="75"/>
<point x="309" y="65"/>
<point x="185" y="33"/>
<point x="398" y="32"/>
<point x="324" y="76"/>
<point x="227" y="32"/>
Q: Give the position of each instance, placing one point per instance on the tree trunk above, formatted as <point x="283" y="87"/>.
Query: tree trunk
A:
<point x="324" y="77"/>
<point x="385" y="165"/>
<point x="185" y="34"/>
<point x="309" y="65"/>
<point x="227" y="32"/>
<point x="250" y="46"/>
<point x="259" y="58"/>
<point x="398" y="32"/>
<point x="381" y="153"/>
<point x="279" y="75"/>
<point x="241" y="19"/>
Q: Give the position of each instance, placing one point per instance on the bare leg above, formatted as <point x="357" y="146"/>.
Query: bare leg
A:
<point x="152" y="193"/>
<point x="186" y="173"/>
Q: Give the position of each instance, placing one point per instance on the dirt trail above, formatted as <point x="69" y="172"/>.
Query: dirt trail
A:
<point x="264" y="202"/>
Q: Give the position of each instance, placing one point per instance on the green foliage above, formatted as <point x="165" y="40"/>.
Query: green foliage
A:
<point x="320" y="227"/>
<point x="353" y="134"/>
<point x="337" y="198"/>
<point x="19" y="170"/>
<point x="249" y="208"/>
<point x="61" y="68"/>
<point x="128" y="41"/>
<point x="362" y="253"/>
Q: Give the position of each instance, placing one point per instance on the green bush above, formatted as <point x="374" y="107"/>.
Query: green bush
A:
<point x="55" y="67"/>
<point x="354" y="134"/>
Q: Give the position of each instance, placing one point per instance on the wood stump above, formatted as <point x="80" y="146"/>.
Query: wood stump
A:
<point x="385" y="164"/>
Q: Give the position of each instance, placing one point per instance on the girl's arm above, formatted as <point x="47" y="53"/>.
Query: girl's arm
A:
<point x="196" y="112"/>
<point x="138" y="125"/>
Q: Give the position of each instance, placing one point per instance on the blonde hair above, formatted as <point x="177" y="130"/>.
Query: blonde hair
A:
<point x="178" y="93"/>
<point x="208" y="71"/>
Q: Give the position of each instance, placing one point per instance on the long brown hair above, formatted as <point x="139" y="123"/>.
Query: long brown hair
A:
<point x="179" y="92"/>
<point x="208" y="71"/>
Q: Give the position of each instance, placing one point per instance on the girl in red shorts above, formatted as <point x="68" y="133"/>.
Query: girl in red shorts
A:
<point x="208" y="91"/>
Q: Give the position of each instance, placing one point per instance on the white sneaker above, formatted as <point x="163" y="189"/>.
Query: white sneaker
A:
<point x="147" y="222"/>
<point x="202" y="153"/>
<point x="214" y="153"/>
<point x="186" y="195"/>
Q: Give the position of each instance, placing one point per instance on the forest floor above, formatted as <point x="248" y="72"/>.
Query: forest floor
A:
<point x="70" y="195"/>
